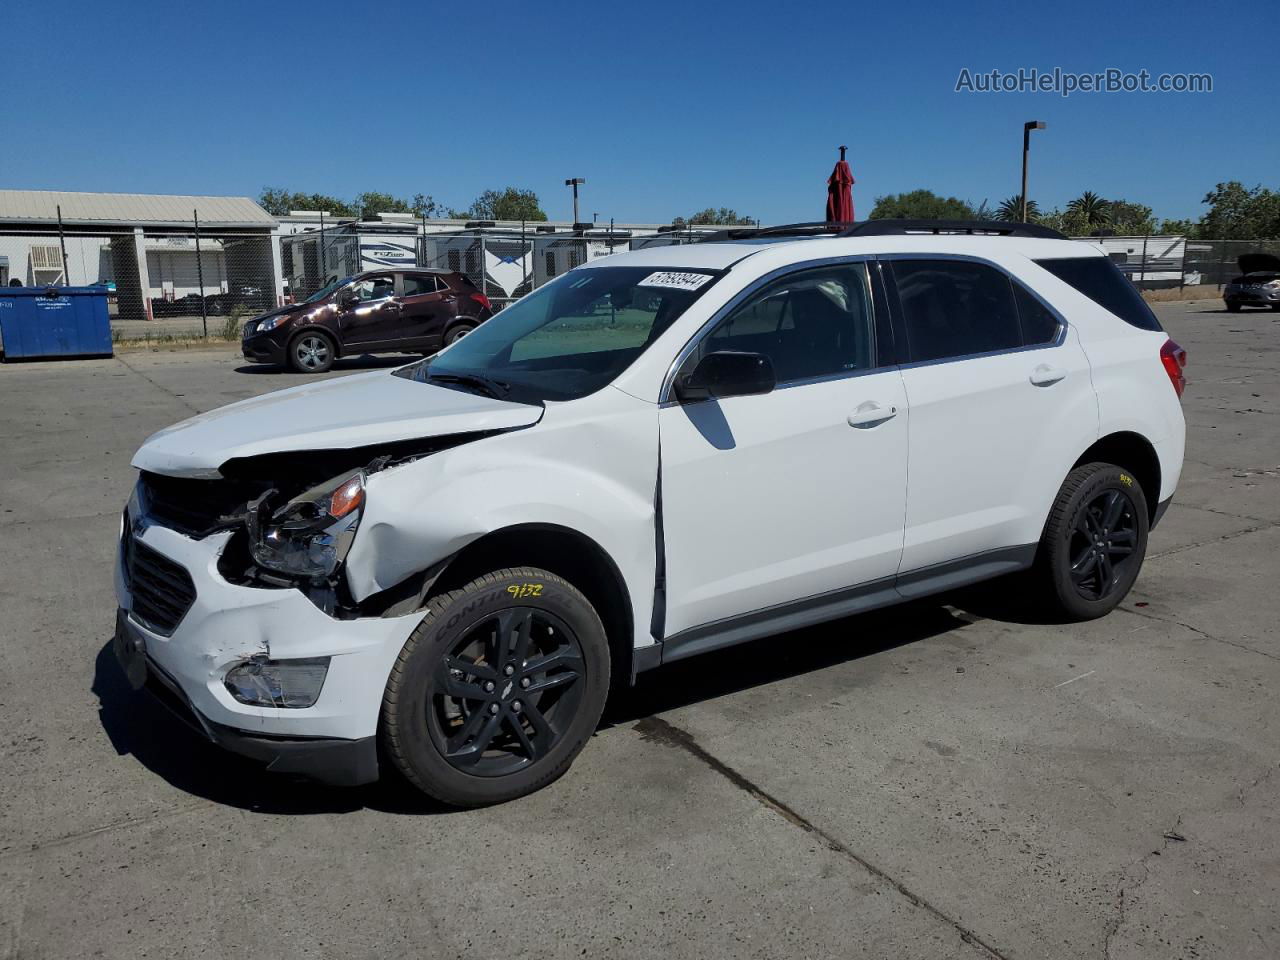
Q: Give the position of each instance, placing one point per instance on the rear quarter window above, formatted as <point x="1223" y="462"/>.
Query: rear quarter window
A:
<point x="1102" y="282"/>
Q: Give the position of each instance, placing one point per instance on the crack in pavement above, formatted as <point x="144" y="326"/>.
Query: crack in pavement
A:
<point x="1269" y="525"/>
<point x="132" y="369"/>
<point x="1208" y="636"/>
<point x="657" y="730"/>
<point x="69" y="838"/>
<point x="1125" y="894"/>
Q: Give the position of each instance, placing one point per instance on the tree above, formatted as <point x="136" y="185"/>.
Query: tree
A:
<point x="1238" y="213"/>
<point x="425" y="206"/>
<point x="278" y="202"/>
<point x="1131" y="219"/>
<point x="371" y="202"/>
<point x="921" y="205"/>
<point x="1088" y="212"/>
<point x="509" y="204"/>
<point x="723" y="217"/>
<point x="1011" y="209"/>
<point x="1179" y="228"/>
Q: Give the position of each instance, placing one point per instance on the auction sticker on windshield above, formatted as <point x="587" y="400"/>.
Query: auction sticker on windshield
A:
<point x="678" y="281"/>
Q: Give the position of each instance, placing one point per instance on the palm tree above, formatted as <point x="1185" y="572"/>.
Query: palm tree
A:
<point x="1090" y="210"/>
<point x="1011" y="209"/>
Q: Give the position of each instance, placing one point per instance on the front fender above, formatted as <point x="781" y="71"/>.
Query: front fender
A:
<point x="589" y="466"/>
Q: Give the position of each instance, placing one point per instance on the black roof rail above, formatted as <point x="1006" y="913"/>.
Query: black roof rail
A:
<point x="996" y="228"/>
<point x="815" y="228"/>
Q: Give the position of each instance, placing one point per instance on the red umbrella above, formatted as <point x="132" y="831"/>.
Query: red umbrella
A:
<point x="839" y="194"/>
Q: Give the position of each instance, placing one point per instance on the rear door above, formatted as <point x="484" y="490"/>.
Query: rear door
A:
<point x="1001" y="404"/>
<point x="797" y="494"/>
<point x="424" y="310"/>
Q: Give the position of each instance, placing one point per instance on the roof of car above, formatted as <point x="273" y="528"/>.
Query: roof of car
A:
<point x="720" y="256"/>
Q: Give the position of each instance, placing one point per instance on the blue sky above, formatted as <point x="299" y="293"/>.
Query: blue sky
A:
<point x="665" y="108"/>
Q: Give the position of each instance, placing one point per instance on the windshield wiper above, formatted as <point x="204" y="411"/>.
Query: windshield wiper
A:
<point x="493" y="388"/>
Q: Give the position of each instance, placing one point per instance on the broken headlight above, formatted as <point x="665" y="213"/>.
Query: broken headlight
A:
<point x="310" y="535"/>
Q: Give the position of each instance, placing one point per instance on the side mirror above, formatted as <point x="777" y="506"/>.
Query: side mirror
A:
<point x="347" y="300"/>
<point x="727" y="373"/>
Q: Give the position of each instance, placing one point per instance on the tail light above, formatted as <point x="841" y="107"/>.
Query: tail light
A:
<point x="1174" y="359"/>
<point x="481" y="299"/>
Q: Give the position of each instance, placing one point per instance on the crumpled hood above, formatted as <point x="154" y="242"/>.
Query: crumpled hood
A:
<point x="1258" y="263"/>
<point x="355" y="411"/>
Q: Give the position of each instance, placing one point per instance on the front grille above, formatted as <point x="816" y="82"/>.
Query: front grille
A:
<point x="162" y="590"/>
<point x="195" y="507"/>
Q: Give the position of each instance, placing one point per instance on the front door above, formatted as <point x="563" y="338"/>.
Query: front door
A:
<point x="374" y="316"/>
<point x="797" y="494"/>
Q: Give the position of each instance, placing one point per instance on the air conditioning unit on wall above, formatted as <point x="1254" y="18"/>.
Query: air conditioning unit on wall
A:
<point x="46" y="265"/>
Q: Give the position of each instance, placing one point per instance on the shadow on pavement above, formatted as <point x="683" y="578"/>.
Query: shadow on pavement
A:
<point x="366" y="361"/>
<point x="141" y="727"/>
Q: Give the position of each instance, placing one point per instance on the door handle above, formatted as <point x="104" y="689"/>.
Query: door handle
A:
<point x="871" y="414"/>
<point x="1046" y="376"/>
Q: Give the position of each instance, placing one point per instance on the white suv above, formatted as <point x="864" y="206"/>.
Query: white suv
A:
<point x="444" y="567"/>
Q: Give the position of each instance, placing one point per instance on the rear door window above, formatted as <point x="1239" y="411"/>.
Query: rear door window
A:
<point x="955" y="308"/>
<point x="1102" y="282"/>
<point x="417" y="285"/>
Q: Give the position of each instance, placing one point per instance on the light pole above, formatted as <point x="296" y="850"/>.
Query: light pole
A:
<point x="574" y="183"/>
<point x="1026" y="148"/>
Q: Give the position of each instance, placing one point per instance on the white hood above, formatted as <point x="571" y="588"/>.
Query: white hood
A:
<point x="354" y="411"/>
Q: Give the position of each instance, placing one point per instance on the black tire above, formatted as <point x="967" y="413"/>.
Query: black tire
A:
<point x="1105" y="504"/>
<point x="453" y="684"/>
<point x="311" y="351"/>
<point x="1233" y="307"/>
<point x="457" y="332"/>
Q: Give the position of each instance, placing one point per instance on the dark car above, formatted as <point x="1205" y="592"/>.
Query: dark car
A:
<point x="1257" y="286"/>
<point x="380" y="311"/>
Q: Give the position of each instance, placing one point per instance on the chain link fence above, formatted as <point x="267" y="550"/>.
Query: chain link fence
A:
<point x="1166" y="262"/>
<point x="158" y="285"/>
<point x="189" y="283"/>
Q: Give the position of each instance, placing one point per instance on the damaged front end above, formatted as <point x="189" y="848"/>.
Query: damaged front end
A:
<point x="292" y="516"/>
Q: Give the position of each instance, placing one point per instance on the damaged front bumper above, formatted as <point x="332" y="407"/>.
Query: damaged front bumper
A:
<point x="226" y="625"/>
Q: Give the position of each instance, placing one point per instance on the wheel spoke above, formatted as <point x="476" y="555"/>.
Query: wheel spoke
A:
<point x="553" y="681"/>
<point x="1105" y="572"/>
<point x="469" y="753"/>
<point x="562" y="657"/>
<point x="524" y="635"/>
<point x="1080" y="566"/>
<point x="1112" y="511"/>
<point x="1124" y="537"/>
<point x="472" y="668"/>
<point x="527" y="743"/>
<point x="469" y="728"/>
<point x="457" y="687"/>
<point x="542" y="727"/>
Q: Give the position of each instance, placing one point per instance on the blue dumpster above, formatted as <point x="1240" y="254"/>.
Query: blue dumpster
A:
<point x="54" y="322"/>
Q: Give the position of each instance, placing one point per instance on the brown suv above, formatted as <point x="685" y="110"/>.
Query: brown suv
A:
<point x="380" y="311"/>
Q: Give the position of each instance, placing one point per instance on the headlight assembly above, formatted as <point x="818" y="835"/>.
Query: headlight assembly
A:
<point x="269" y="324"/>
<point x="310" y="535"/>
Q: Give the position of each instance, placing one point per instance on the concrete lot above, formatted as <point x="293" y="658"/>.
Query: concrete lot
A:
<point x="935" y="781"/>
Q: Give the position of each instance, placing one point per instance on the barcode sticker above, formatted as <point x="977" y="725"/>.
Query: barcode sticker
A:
<point x="677" y="281"/>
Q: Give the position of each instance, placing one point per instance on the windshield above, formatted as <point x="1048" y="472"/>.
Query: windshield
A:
<point x="327" y="289"/>
<point x="570" y="337"/>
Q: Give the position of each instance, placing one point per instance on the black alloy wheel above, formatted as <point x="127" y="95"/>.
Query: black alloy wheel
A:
<point x="1102" y="544"/>
<point x="497" y="689"/>
<point x="504" y="692"/>
<point x="1093" y="544"/>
